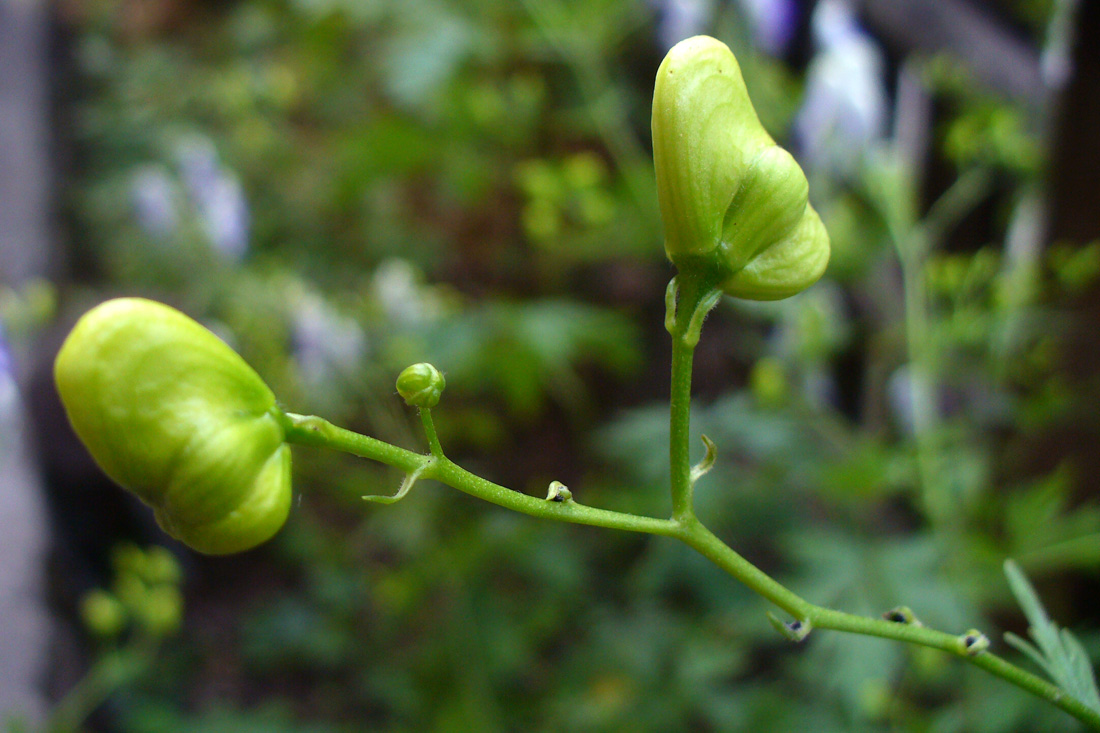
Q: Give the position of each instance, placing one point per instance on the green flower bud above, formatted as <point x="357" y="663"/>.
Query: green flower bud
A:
<point x="421" y="385"/>
<point x="102" y="613"/>
<point x="732" y="201"/>
<point x="161" y="566"/>
<point x="768" y="382"/>
<point x="130" y="590"/>
<point x="128" y="559"/>
<point x="161" y="613"/>
<point x="178" y="418"/>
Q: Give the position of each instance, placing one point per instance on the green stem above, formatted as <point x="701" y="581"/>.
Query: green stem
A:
<point x="809" y="616"/>
<point x="429" y="432"/>
<point x="113" y="670"/>
<point x="680" y="430"/>
<point x="707" y="544"/>
<point x="317" y="432"/>
<point x="914" y="243"/>
<point x="451" y="474"/>
<point x="818" y="617"/>
<point x="922" y="394"/>
<point x="824" y="618"/>
<point x="687" y="304"/>
<point x="314" y="431"/>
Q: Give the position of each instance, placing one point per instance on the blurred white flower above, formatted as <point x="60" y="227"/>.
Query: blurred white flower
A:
<point x="834" y="23"/>
<point x="404" y="300"/>
<point x="197" y="161"/>
<point x="6" y="364"/>
<point x="1056" y="58"/>
<point x="845" y="107"/>
<point x="771" y="22"/>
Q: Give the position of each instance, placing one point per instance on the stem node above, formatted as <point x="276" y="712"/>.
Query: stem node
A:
<point x="973" y="643"/>
<point x="902" y="615"/>
<point x="559" y="492"/>
<point x="795" y="631"/>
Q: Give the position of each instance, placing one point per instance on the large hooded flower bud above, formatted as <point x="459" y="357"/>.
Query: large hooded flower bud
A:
<point x="173" y="414"/>
<point x="731" y="199"/>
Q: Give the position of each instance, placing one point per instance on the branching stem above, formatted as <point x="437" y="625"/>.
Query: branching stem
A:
<point x="687" y="304"/>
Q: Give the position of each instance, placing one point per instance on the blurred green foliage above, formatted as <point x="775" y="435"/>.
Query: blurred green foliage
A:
<point x="341" y="188"/>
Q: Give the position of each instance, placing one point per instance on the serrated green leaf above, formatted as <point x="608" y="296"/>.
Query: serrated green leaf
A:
<point x="1025" y="595"/>
<point x="1056" y="650"/>
<point x="1028" y="649"/>
<point x="1079" y="668"/>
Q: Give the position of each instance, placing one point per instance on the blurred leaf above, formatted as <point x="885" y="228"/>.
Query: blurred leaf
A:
<point x="1044" y="531"/>
<point x="870" y="576"/>
<point x="1056" y="650"/>
<point x="525" y="350"/>
<point x="427" y="48"/>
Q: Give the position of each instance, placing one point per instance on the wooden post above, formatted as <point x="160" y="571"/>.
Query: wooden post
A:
<point x="24" y="249"/>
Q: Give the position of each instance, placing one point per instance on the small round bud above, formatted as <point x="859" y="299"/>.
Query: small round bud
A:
<point x="161" y="566"/>
<point x="173" y="414"/>
<point x="102" y="613"/>
<point x="421" y="385"/>
<point x="768" y="382"/>
<point x="130" y="590"/>
<point x="161" y="611"/>
<point x="128" y="559"/>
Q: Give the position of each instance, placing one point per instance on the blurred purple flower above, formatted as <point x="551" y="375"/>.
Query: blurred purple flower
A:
<point x="9" y="389"/>
<point x="153" y="198"/>
<point x="6" y="363"/>
<point x="327" y="344"/>
<point x="680" y="19"/>
<point x="844" y="110"/>
<point x="772" y="23"/>
<point x="226" y="217"/>
<point x="217" y="196"/>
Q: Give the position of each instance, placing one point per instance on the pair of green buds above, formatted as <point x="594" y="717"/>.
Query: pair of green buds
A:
<point x="173" y="414"/>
